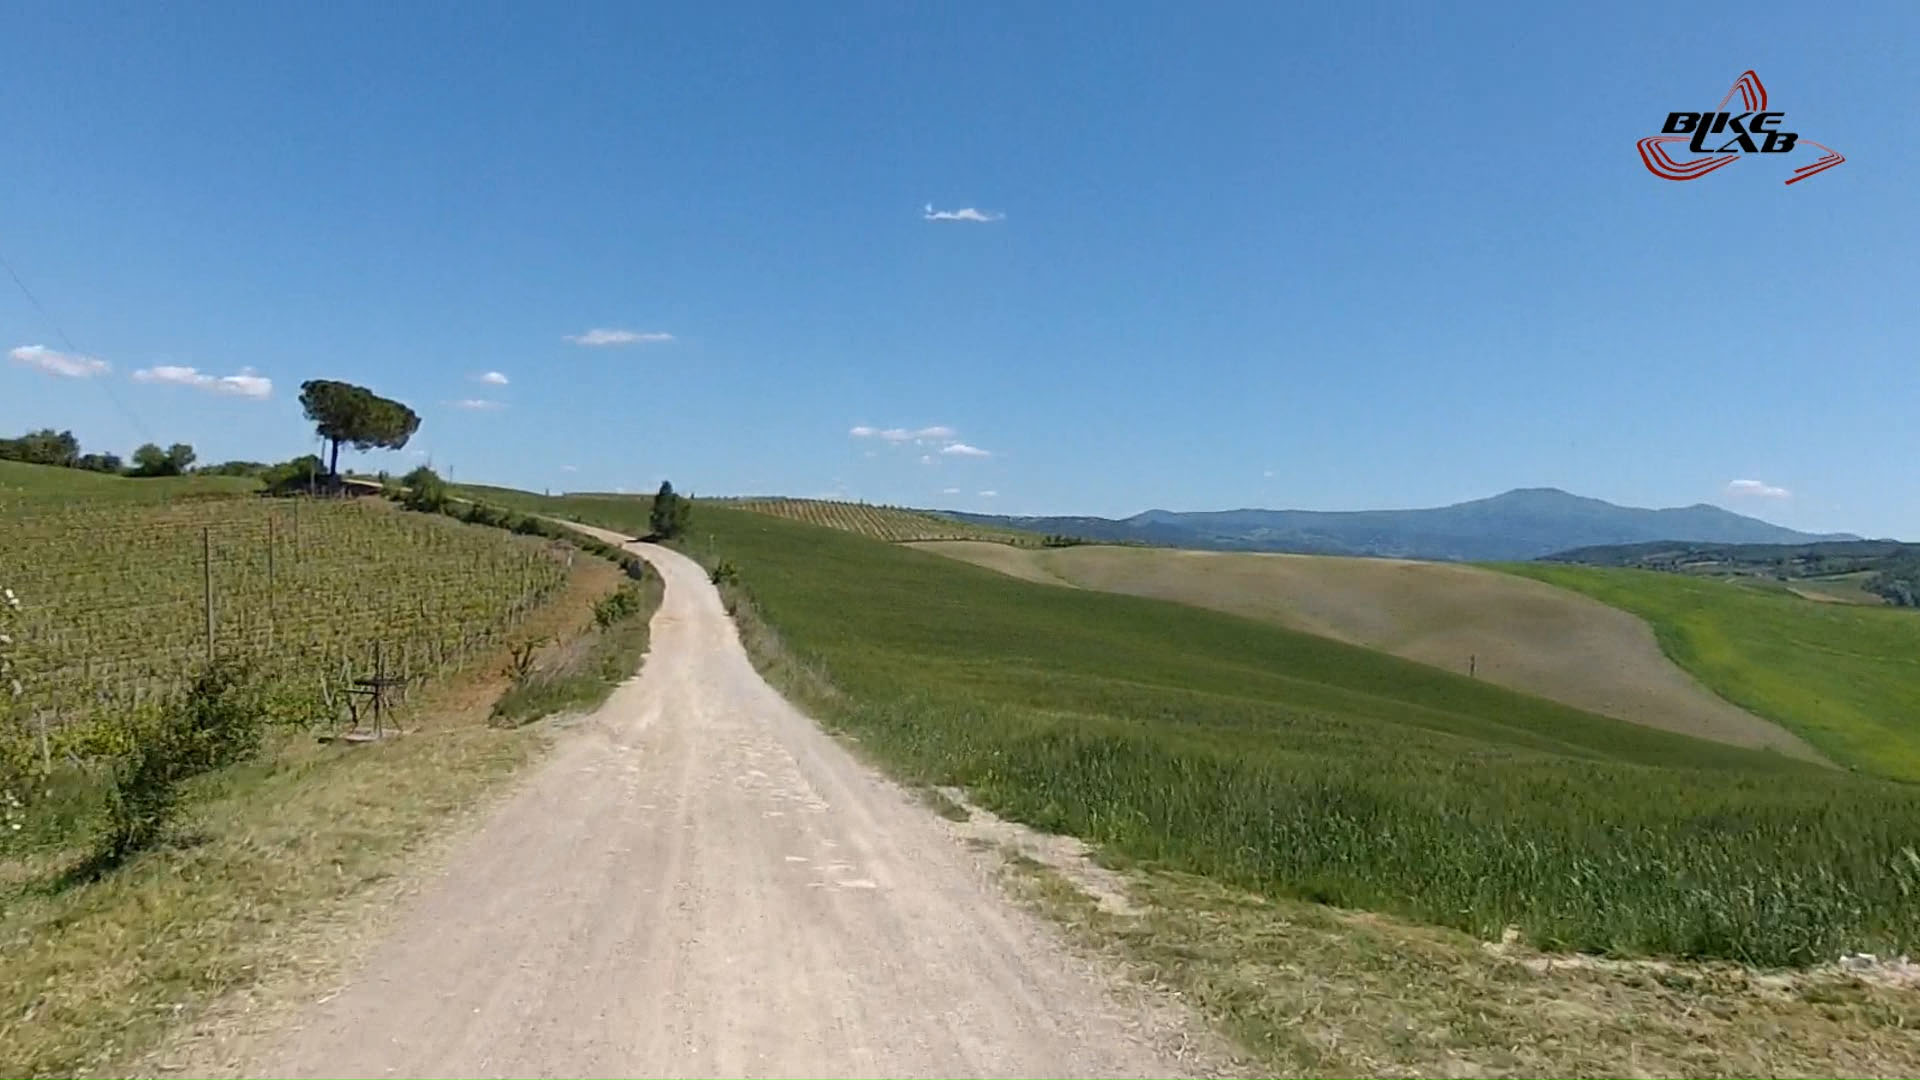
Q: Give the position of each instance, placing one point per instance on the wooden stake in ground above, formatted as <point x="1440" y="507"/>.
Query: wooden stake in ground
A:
<point x="206" y="568"/>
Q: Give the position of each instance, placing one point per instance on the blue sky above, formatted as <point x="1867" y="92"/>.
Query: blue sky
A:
<point x="1331" y="256"/>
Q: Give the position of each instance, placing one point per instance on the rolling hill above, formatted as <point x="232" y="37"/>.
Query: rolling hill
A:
<point x="1516" y="633"/>
<point x="1297" y="765"/>
<point x="1525" y="523"/>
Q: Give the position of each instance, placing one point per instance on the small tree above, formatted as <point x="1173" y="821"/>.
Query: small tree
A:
<point x="670" y="514"/>
<point x="345" y="413"/>
<point x="425" y="490"/>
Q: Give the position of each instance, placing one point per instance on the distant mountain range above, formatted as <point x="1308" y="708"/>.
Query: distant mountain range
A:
<point x="1525" y="523"/>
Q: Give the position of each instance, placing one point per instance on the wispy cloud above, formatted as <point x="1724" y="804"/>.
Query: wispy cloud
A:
<point x="245" y="384"/>
<point x="949" y="491"/>
<point x="960" y="449"/>
<point x="600" y="337"/>
<point x="965" y="213"/>
<point x="569" y="468"/>
<point x="69" y="365"/>
<point x="902" y="435"/>
<point x="492" y="378"/>
<point x="477" y="404"/>
<point x="989" y="494"/>
<point x="1756" y="489"/>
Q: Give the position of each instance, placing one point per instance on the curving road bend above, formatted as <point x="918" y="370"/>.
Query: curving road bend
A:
<point x="698" y="882"/>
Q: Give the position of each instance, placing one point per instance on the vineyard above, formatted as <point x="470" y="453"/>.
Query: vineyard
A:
<point x="882" y="522"/>
<point x="122" y="602"/>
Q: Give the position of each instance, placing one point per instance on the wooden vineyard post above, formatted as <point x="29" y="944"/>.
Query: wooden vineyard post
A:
<point x="272" y="615"/>
<point x="379" y="688"/>
<point x="206" y="572"/>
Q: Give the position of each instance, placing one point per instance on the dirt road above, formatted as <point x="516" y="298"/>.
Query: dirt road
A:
<point x="698" y="882"/>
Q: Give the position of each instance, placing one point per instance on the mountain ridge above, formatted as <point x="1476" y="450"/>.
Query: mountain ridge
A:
<point x="1515" y="525"/>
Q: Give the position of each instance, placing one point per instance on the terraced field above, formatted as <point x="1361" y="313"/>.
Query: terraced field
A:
<point x="890" y="523"/>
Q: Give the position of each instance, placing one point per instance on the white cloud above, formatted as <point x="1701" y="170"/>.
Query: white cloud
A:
<point x="965" y="213"/>
<point x="602" y="337"/>
<point x="245" y="384"/>
<point x="569" y="468"/>
<point x="902" y="435"/>
<point x="492" y="378"/>
<point x="1268" y="474"/>
<point x="949" y="491"/>
<point x="988" y="494"/>
<point x="926" y="459"/>
<point x="961" y="449"/>
<point x="1756" y="489"/>
<point x="476" y="404"/>
<point x="70" y="365"/>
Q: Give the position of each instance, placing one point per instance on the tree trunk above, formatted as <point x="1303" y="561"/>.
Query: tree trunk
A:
<point x="333" y="464"/>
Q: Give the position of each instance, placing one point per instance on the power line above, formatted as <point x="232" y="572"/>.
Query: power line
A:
<point x="104" y="384"/>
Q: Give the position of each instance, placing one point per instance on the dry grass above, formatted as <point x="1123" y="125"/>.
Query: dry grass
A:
<point x="1516" y="633"/>
<point x="1313" y="990"/>
<point x="266" y="882"/>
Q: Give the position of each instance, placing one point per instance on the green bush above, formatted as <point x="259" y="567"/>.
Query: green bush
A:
<point x="152" y="751"/>
<point x="425" y="491"/>
<point x="621" y="604"/>
<point x="294" y="476"/>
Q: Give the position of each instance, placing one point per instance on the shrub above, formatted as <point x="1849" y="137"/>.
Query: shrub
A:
<point x="623" y="603"/>
<point x="724" y="573"/>
<point x="425" y="491"/>
<point x="153" y="751"/>
<point x="290" y="477"/>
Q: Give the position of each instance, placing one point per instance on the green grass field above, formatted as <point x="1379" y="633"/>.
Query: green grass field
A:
<point x="46" y="483"/>
<point x="1523" y="635"/>
<point x="1844" y="677"/>
<point x="1300" y="766"/>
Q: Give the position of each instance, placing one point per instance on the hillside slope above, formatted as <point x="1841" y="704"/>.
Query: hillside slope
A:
<point x="1295" y="764"/>
<point x="1846" y="677"/>
<point x="1514" y="633"/>
<point x="1522" y="524"/>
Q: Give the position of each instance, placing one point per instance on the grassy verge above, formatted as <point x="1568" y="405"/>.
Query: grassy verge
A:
<point x="275" y="861"/>
<point x="1314" y="991"/>
<point x="1846" y="678"/>
<point x="579" y="674"/>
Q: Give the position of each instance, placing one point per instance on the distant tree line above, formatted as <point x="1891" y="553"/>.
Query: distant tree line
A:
<point x="1894" y="566"/>
<point x="61" y="450"/>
